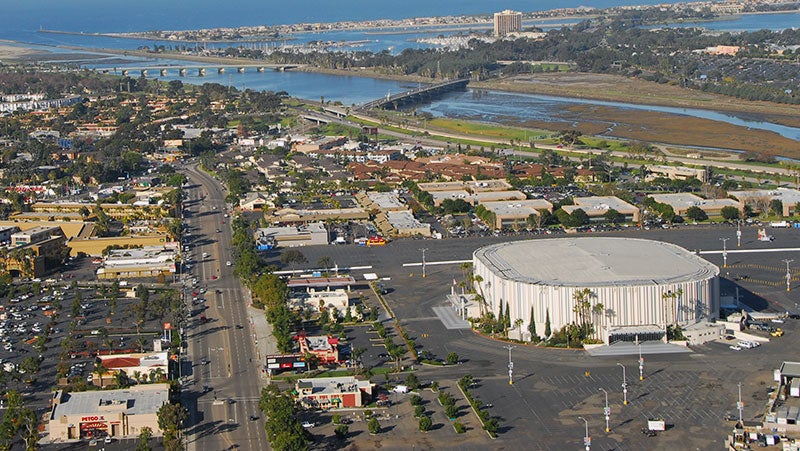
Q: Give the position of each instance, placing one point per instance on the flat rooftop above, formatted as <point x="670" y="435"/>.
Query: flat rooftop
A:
<point x="601" y="203"/>
<point x="404" y="220"/>
<point x="783" y="194"/>
<point x="518" y="208"/>
<point x="144" y="399"/>
<point x="595" y="261"/>
<point x="386" y="201"/>
<point x="692" y="200"/>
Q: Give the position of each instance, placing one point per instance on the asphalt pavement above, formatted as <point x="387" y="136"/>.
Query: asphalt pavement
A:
<point x="223" y="362"/>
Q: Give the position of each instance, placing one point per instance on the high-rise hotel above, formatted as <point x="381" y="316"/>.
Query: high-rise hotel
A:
<point x="506" y="22"/>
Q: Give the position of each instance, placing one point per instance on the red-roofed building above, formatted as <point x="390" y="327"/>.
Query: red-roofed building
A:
<point x="139" y="366"/>
<point x="325" y="348"/>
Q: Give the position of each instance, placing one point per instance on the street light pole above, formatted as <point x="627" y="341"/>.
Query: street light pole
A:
<point x="739" y="233"/>
<point x="606" y="410"/>
<point x="740" y="404"/>
<point x="587" y="441"/>
<point x="423" y="261"/>
<point x="788" y="274"/>
<point x="724" y="252"/>
<point x="641" y="363"/>
<point x="510" y="365"/>
<point x="624" y="385"/>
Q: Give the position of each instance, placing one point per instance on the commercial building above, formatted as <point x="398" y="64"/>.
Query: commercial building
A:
<point x="381" y="201"/>
<point x="783" y="410"/>
<point x="506" y="214"/>
<point x="6" y="232"/>
<point x="292" y="215"/>
<point x="760" y="199"/>
<point x="676" y="172"/>
<point x="116" y="211"/>
<point x="34" y="252"/>
<point x="402" y="223"/>
<point x="315" y="300"/>
<point x="333" y="392"/>
<point x="149" y="261"/>
<point x="310" y="234"/>
<point x="138" y="366"/>
<point x="597" y="206"/>
<point x="326" y="349"/>
<point x="35" y="235"/>
<point x="642" y="285"/>
<point x="115" y="413"/>
<point x="506" y="22"/>
<point x="680" y="202"/>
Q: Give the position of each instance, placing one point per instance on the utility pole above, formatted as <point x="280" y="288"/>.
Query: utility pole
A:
<point x="788" y="274"/>
<point x="423" y="261"/>
<point x="724" y="252"/>
<point x="624" y="385"/>
<point x="606" y="410"/>
<point x="510" y="365"/>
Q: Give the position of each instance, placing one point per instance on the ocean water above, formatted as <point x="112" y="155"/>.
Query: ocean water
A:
<point x="121" y="16"/>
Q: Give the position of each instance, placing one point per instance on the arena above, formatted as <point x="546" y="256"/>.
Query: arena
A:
<point x="637" y="287"/>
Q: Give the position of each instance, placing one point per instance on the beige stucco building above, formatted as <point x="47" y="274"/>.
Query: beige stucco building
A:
<point x="118" y="413"/>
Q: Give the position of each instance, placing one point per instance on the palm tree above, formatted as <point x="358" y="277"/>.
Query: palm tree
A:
<point x="99" y="370"/>
<point x="582" y="307"/>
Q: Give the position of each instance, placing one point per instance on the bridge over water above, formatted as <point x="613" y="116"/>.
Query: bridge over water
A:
<point x="182" y="70"/>
<point x="415" y="95"/>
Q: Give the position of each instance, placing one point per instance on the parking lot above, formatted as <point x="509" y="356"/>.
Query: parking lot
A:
<point x="693" y="392"/>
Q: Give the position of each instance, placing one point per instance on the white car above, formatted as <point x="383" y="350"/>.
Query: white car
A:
<point x="735" y="348"/>
<point x="228" y="263"/>
<point x="308" y="424"/>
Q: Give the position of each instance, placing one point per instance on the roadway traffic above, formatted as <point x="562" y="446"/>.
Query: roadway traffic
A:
<point x="223" y="372"/>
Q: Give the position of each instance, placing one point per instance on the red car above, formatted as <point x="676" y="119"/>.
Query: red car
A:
<point x="214" y="277"/>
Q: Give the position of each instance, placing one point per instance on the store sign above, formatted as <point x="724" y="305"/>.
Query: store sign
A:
<point x="93" y="425"/>
<point x="93" y="418"/>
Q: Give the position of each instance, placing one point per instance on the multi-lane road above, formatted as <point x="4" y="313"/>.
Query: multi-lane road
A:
<point x="221" y="361"/>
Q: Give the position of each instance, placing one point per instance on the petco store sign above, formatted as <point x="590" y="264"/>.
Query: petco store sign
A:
<point x="93" y="418"/>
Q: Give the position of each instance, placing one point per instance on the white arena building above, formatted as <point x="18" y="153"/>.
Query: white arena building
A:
<point x="643" y="285"/>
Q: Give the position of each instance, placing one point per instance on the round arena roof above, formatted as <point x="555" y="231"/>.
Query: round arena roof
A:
<point x="594" y="261"/>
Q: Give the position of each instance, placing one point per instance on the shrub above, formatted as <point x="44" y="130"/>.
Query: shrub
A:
<point x="337" y="418"/>
<point x="341" y="431"/>
<point x="459" y="427"/>
<point x="434" y="386"/>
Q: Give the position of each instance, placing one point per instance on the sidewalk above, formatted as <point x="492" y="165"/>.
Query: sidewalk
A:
<point x="262" y="335"/>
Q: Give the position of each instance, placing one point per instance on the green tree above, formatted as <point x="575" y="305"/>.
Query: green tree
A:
<point x="547" y="330"/>
<point x="776" y="207"/>
<point x="293" y="257"/>
<point x="144" y="439"/>
<point x="729" y="213"/>
<point x="452" y="358"/>
<point x="425" y="423"/>
<point x="341" y="431"/>
<point x="696" y="214"/>
<point x="532" y="327"/>
<point x="419" y="411"/>
<point x="374" y="426"/>
<point x="412" y="382"/>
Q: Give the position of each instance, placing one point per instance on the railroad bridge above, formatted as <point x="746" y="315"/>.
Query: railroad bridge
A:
<point x="417" y="95"/>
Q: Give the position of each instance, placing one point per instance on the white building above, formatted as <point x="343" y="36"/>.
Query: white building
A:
<point x="642" y="285"/>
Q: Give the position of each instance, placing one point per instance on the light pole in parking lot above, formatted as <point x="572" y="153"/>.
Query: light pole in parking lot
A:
<point x="606" y="410"/>
<point x="740" y="404"/>
<point x="739" y="233"/>
<point x="788" y="274"/>
<point x="424" y="249"/>
<point x="510" y="365"/>
<point x="641" y="363"/>
<point x="587" y="441"/>
<point x="724" y="252"/>
<point x="624" y="385"/>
